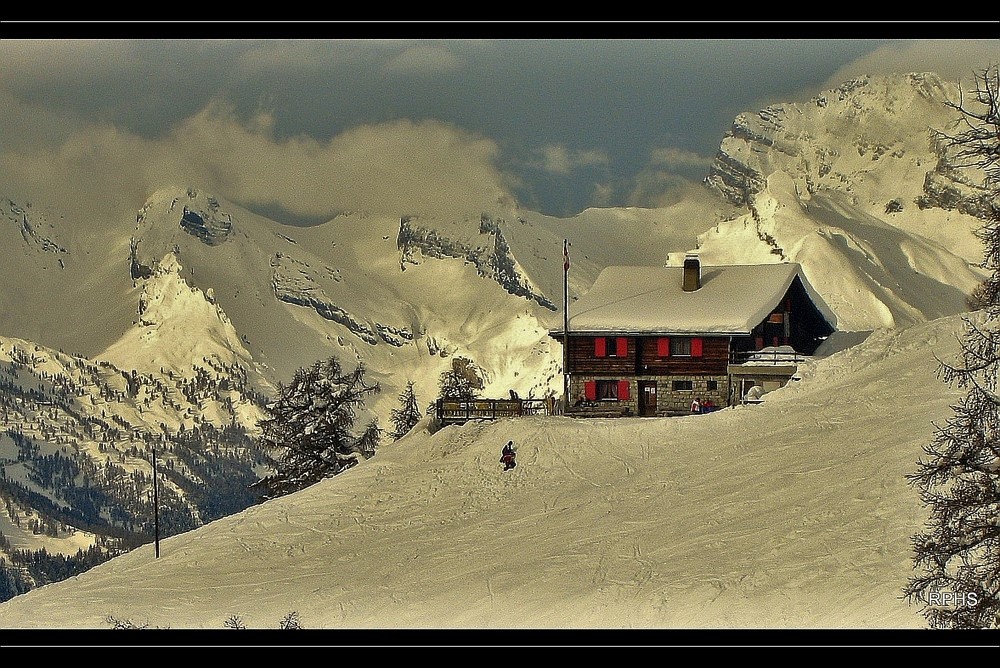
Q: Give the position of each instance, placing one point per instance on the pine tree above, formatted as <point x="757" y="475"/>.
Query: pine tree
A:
<point x="369" y="439"/>
<point x="957" y="556"/>
<point x="408" y="413"/>
<point x="461" y="382"/>
<point x="309" y="426"/>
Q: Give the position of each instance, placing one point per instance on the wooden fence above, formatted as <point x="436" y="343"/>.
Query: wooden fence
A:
<point x="450" y="411"/>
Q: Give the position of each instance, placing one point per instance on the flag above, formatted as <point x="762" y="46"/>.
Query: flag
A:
<point x="565" y="254"/>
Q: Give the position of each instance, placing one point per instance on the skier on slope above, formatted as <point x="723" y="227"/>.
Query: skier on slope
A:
<point x="507" y="456"/>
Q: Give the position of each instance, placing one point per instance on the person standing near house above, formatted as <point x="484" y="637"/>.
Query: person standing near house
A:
<point x="696" y="405"/>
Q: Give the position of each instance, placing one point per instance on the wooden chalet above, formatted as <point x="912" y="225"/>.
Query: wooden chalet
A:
<point x="647" y="341"/>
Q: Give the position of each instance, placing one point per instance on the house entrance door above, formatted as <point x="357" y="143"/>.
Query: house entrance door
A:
<point x="647" y="397"/>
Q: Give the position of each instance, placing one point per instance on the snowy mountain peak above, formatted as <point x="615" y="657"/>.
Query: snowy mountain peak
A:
<point x="854" y="187"/>
<point x="172" y="216"/>
<point x="868" y="125"/>
<point x="180" y="328"/>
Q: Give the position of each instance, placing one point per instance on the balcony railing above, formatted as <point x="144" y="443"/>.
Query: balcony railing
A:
<point x="767" y="356"/>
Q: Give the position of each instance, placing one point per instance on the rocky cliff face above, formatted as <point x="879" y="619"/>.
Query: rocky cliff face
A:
<point x="858" y="187"/>
<point x="194" y="213"/>
<point x="489" y="253"/>
<point x="855" y="138"/>
<point x="295" y="282"/>
<point x="35" y="238"/>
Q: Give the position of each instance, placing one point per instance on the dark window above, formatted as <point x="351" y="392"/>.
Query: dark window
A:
<point x="680" y="347"/>
<point x="611" y="346"/>
<point x="607" y="390"/>
<point x="620" y="346"/>
<point x="683" y="385"/>
<point x="713" y="385"/>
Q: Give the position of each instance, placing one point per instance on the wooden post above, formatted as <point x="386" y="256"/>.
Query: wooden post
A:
<point x="156" y="510"/>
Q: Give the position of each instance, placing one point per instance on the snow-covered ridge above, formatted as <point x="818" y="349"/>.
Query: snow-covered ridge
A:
<point x="856" y="187"/>
<point x="178" y="327"/>
<point x="492" y="257"/>
<point x="886" y="122"/>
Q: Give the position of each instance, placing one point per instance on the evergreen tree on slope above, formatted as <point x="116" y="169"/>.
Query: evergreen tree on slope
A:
<point x="408" y="413"/>
<point x="462" y="382"/>
<point x="958" y="554"/>
<point x="308" y="426"/>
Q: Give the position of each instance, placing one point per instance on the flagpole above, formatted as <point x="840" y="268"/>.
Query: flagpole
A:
<point x="565" y="325"/>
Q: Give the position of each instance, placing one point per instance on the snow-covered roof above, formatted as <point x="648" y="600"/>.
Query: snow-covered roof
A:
<point x="731" y="300"/>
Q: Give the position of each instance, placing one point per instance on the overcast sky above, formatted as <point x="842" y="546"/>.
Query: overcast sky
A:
<point x="304" y="128"/>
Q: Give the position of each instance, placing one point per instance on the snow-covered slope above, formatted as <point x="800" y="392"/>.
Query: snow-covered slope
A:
<point x="61" y="278"/>
<point x="855" y="187"/>
<point x="791" y="514"/>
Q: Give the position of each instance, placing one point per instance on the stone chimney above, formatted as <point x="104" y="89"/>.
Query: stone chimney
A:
<point x="692" y="272"/>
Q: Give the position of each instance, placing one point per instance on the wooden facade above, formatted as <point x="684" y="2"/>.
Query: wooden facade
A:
<point x="646" y="375"/>
<point x="648" y="355"/>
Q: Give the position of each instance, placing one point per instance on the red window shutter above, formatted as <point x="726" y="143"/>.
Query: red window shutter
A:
<point x="623" y="391"/>
<point x="621" y="347"/>
<point x="663" y="347"/>
<point x="696" y="347"/>
<point x="590" y="390"/>
<point x="600" y="347"/>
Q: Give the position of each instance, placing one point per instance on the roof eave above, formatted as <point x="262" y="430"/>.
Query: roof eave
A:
<point x="638" y="332"/>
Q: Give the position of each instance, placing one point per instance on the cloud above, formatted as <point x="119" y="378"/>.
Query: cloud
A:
<point x="952" y="59"/>
<point x="670" y="171"/>
<point x="558" y="159"/>
<point x="396" y="167"/>
<point x="676" y="159"/>
<point x="37" y="63"/>
<point x="424" y="60"/>
<point x="601" y="194"/>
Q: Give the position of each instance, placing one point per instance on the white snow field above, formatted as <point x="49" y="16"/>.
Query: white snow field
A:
<point x="791" y="514"/>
